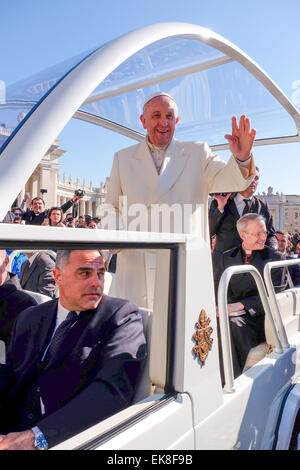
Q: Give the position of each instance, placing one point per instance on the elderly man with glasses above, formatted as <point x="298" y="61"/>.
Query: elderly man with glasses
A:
<point x="244" y="304"/>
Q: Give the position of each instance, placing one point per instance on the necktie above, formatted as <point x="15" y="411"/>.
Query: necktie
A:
<point x="247" y="206"/>
<point x="59" y="336"/>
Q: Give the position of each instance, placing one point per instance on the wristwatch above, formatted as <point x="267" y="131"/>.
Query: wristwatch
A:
<point x="39" y="442"/>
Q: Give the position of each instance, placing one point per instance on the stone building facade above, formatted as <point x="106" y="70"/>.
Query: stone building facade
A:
<point x="55" y="189"/>
<point x="285" y="209"/>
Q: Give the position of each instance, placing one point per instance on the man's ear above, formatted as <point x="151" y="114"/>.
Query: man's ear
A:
<point x="177" y="119"/>
<point x="242" y="235"/>
<point x="142" y="119"/>
<point x="57" y="275"/>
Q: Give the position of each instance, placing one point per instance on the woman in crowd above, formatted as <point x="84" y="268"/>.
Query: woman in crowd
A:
<point x="55" y="217"/>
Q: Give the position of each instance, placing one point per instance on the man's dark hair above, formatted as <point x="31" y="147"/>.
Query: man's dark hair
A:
<point x="38" y="197"/>
<point x="16" y="208"/>
<point x="62" y="258"/>
<point x="279" y="232"/>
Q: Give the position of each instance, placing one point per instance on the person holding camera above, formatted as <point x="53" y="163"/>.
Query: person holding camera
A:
<point x="226" y="209"/>
<point x="70" y="221"/>
<point x="93" y="223"/>
<point x="37" y="214"/>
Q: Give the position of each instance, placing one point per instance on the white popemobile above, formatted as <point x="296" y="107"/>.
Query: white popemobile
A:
<point x="180" y="403"/>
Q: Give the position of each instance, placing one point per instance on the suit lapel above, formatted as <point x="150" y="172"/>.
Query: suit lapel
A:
<point x="254" y="205"/>
<point x="24" y="272"/>
<point x="174" y="163"/>
<point x="143" y="167"/>
<point x="40" y="339"/>
<point x="233" y="209"/>
<point x="73" y="339"/>
<point x="48" y="323"/>
<point x="29" y="270"/>
<point x="84" y="335"/>
<point x="145" y="173"/>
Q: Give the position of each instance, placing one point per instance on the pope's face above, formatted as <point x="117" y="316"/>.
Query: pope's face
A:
<point x="160" y="119"/>
<point x="81" y="280"/>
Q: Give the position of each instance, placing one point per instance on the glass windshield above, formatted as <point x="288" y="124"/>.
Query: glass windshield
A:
<point x="22" y="96"/>
<point x="208" y="87"/>
<point x="206" y="101"/>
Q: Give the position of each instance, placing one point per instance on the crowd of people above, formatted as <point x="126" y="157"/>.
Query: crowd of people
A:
<point x="33" y="269"/>
<point x="37" y="214"/>
<point x="292" y="241"/>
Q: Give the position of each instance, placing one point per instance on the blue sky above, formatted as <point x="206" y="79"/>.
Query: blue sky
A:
<point x="37" y="34"/>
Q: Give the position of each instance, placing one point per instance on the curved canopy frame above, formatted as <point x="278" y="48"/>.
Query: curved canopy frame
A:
<point x="22" y="152"/>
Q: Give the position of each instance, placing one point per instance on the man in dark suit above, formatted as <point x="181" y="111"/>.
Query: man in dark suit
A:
<point x="37" y="274"/>
<point x="52" y="387"/>
<point x="12" y="299"/>
<point x="244" y="305"/>
<point x="225" y="211"/>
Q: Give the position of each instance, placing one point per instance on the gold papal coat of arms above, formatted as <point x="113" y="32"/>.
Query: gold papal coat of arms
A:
<point x="202" y="337"/>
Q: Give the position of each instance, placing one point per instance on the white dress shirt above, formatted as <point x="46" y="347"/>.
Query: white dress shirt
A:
<point x="240" y="203"/>
<point x="61" y="315"/>
<point x="32" y="258"/>
<point x="158" y="155"/>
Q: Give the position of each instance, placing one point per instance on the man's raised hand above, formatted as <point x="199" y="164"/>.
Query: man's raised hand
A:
<point x="242" y="138"/>
<point x="221" y="200"/>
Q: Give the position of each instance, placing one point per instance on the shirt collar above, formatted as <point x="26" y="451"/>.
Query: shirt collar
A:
<point x="240" y="198"/>
<point x="153" y="147"/>
<point x="62" y="313"/>
<point x="32" y="258"/>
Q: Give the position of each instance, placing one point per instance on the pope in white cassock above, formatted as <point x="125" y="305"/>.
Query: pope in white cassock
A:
<point x="162" y="171"/>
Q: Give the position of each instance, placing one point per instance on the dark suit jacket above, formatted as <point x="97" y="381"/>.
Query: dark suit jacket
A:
<point x="93" y="377"/>
<point x="12" y="301"/>
<point x="242" y="287"/>
<point x="223" y="225"/>
<point x="112" y="265"/>
<point x="39" y="277"/>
